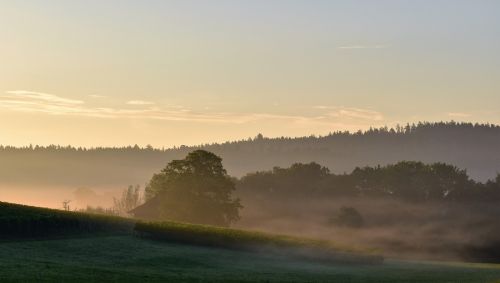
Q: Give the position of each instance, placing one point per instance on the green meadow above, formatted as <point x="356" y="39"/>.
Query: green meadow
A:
<point x="92" y="248"/>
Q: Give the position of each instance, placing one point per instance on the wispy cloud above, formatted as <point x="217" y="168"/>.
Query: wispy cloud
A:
<point x="378" y="46"/>
<point x="40" y="102"/>
<point x="40" y="97"/>
<point x="325" y="116"/>
<point x="342" y="112"/>
<point x="97" y="96"/>
<point x="139" y="102"/>
<point x="459" y="115"/>
<point x="322" y="107"/>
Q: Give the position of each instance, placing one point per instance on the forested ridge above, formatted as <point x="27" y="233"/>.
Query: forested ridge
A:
<point x="474" y="147"/>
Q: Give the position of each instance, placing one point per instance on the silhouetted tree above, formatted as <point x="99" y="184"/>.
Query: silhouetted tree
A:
<point x="300" y="179"/>
<point x="130" y="199"/>
<point x="65" y="204"/>
<point x="195" y="189"/>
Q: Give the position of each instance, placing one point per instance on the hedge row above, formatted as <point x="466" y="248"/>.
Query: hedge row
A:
<point x="25" y="221"/>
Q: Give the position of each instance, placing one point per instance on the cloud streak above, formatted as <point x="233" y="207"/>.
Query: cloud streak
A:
<point x="139" y="102"/>
<point x="459" y="115"/>
<point x="40" y="97"/>
<point x="326" y="116"/>
<point x="350" y="47"/>
<point x="351" y="113"/>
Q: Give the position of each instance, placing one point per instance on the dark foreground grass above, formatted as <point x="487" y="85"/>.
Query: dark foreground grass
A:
<point x="44" y="245"/>
<point x="131" y="259"/>
<point x="210" y="236"/>
<point x="22" y="221"/>
<point x="27" y="222"/>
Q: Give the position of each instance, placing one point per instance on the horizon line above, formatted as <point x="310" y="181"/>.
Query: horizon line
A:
<point x="398" y="129"/>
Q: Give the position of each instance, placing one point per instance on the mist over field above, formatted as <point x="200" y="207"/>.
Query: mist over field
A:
<point x="53" y="196"/>
<point x="409" y="210"/>
<point x="395" y="228"/>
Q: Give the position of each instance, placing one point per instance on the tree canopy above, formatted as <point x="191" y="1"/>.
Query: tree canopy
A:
<point x="195" y="189"/>
<point x="407" y="180"/>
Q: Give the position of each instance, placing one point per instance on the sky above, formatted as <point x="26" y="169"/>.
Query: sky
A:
<point x="113" y="73"/>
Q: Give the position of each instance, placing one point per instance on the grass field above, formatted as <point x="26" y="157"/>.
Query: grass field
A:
<point x="26" y="222"/>
<point x="105" y="249"/>
<point x="130" y="259"/>
<point x="210" y="236"/>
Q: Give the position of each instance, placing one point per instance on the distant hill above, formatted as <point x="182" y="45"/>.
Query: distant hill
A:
<point x="475" y="147"/>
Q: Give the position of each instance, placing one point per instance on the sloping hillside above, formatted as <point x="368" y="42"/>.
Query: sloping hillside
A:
<point x="27" y="222"/>
<point x="91" y="248"/>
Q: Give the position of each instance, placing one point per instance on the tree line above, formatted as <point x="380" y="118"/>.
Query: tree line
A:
<point x="198" y="189"/>
<point x="411" y="181"/>
<point x="475" y="147"/>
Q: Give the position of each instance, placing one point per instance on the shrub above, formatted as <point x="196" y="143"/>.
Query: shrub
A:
<point x="348" y="217"/>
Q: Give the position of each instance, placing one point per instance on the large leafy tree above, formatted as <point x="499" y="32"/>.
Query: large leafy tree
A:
<point x="195" y="189"/>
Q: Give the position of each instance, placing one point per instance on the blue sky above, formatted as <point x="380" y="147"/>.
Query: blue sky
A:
<point x="188" y="72"/>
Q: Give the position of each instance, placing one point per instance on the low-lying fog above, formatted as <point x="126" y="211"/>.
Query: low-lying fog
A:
<point x="394" y="228"/>
<point x="53" y="197"/>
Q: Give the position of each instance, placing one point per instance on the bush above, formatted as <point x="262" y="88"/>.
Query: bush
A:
<point x="99" y="210"/>
<point x="348" y="217"/>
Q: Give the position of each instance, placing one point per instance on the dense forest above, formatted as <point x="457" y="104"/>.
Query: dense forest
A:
<point x="411" y="181"/>
<point x="474" y="147"/>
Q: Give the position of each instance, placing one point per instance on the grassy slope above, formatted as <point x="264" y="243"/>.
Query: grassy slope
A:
<point x="27" y="222"/>
<point x="130" y="259"/>
<point x="210" y="236"/>
<point x="105" y="252"/>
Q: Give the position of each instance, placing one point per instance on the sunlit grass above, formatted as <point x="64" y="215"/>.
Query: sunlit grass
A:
<point x="20" y="221"/>
<point x="131" y="259"/>
<point x="254" y="241"/>
<point x="207" y="254"/>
